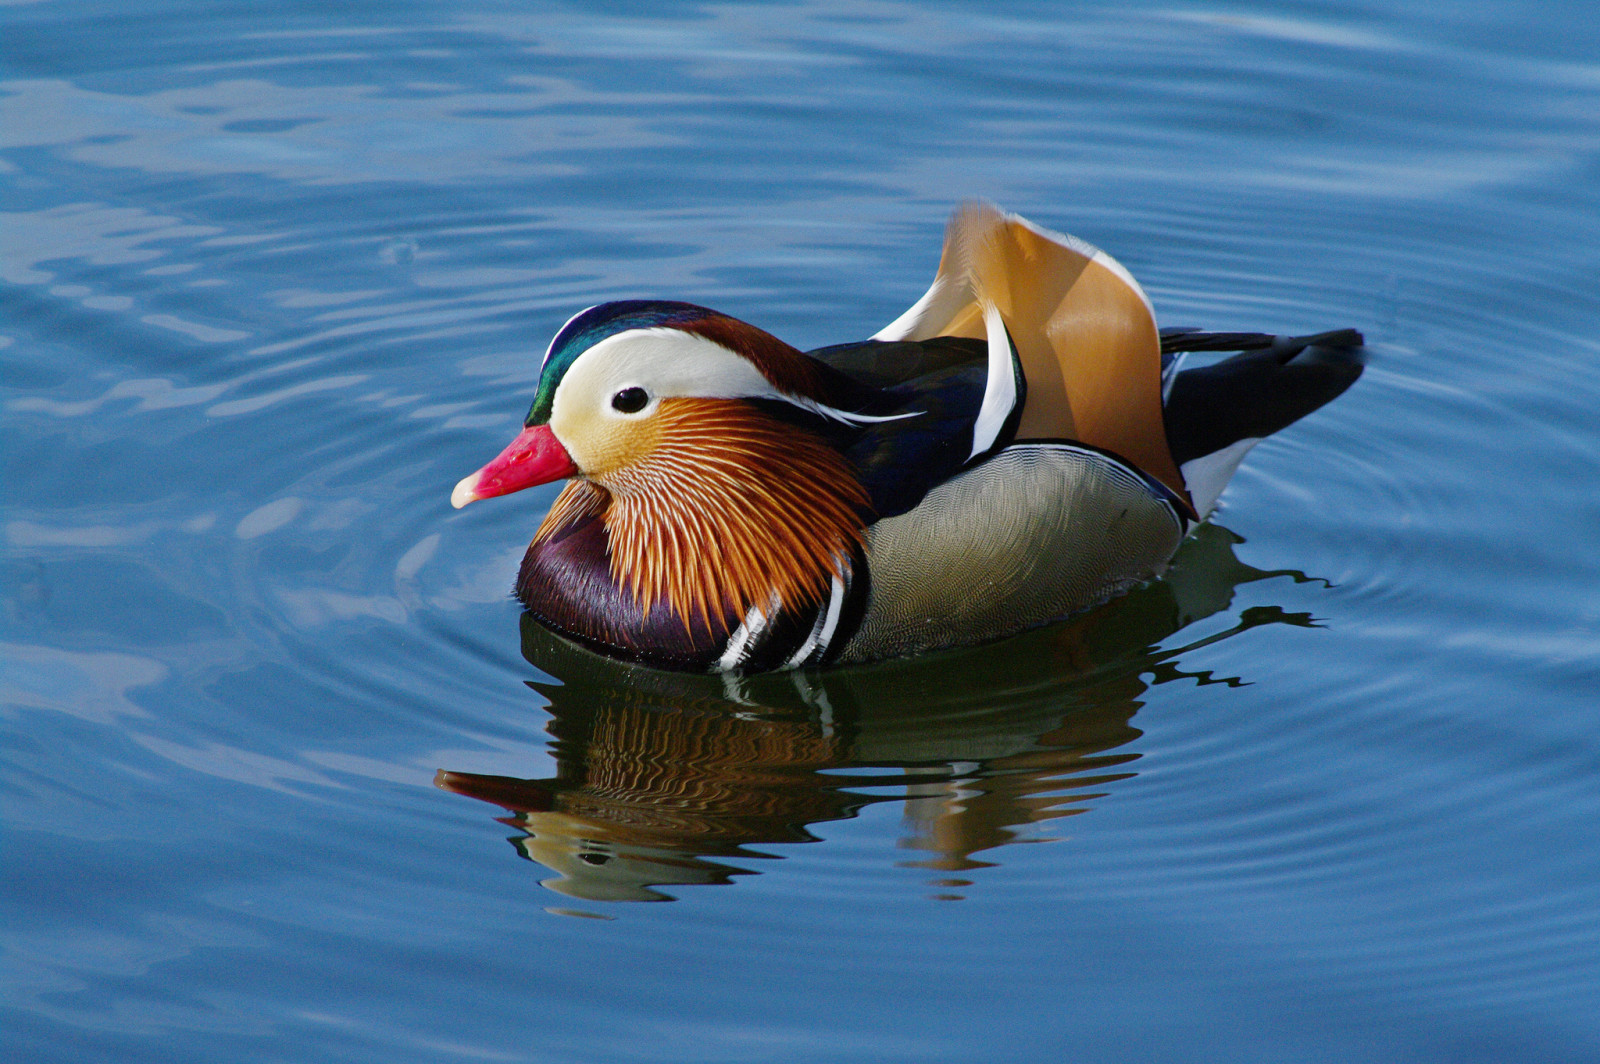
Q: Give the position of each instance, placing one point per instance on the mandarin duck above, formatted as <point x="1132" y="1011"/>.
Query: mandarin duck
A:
<point x="1020" y="445"/>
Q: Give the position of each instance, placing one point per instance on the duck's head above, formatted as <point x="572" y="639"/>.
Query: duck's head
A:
<point x="619" y="375"/>
<point x="691" y="425"/>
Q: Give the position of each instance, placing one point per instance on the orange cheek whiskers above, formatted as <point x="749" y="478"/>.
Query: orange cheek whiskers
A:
<point x="731" y="510"/>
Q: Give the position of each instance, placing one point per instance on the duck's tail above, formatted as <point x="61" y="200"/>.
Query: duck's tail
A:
<point x="1214" y="414"/>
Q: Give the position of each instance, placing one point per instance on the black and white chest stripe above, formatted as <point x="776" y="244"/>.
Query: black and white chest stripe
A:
<point x="776" y="638"/>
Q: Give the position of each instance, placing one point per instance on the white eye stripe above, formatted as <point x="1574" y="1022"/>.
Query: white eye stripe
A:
<point x="669" y="363"/>
<point x="665" y="363"/>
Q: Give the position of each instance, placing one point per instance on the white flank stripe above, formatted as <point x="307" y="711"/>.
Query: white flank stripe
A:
<point x="1000" y="393"/>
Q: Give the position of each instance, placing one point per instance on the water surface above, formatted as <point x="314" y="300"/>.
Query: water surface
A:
<point x="274" y="280"/>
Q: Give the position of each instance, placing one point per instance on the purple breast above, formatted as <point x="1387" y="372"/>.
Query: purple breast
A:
<point x="565" y="582"/>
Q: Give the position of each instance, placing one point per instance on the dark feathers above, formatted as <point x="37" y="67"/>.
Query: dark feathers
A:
<point x="1276" y="381"/>
<point x="941" y="381"/>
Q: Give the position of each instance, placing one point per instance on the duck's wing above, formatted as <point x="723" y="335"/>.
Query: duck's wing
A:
<point x="891" y="364"/>
<point x="1082" y="329"/>
<point x="927" y="401"/>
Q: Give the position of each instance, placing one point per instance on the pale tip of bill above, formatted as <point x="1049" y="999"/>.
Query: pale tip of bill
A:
<point x="465" y="492"/>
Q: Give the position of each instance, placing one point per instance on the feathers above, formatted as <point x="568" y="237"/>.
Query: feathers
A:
<point x="730" y="511"/>
<point x="1214" y="414"/>
<point x="1276" y="381"/>
<point x="679" y="349"/>
<point x="790" y="372"/>
<point x="1017" y="445"/>
<point x="943" y="381"/>
<point x="1003" y="390"/>
<point x="1084" y="333"/>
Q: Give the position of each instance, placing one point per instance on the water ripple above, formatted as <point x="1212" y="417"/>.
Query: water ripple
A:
<point x="272" y="285"/>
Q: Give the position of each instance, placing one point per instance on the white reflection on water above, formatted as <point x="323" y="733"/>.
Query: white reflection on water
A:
<point x="235" y="763"/>
<point x="225" y="545"/>
<point x="98" y="234"/>
<point x="341" y="133"/>
<point x="90" y="685"/>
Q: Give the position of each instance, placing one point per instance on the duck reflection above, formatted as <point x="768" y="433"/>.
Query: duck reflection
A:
<point x="670" y="779"/>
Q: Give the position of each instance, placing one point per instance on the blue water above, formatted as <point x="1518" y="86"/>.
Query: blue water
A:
<point x="276" y="276"/>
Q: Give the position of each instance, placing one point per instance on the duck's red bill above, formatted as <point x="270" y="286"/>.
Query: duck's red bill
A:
<point x="534" y="457"/>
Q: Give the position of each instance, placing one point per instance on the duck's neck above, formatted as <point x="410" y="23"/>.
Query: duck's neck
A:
<point x="731" y="511"/>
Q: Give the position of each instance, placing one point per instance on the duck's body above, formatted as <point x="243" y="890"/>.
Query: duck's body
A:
<point x="1020" y="445"/>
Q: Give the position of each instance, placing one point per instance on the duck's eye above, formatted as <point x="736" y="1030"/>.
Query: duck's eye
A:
<point x="630" y="400"/>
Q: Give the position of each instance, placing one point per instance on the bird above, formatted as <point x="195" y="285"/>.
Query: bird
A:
<point x="1019" y="446"/>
